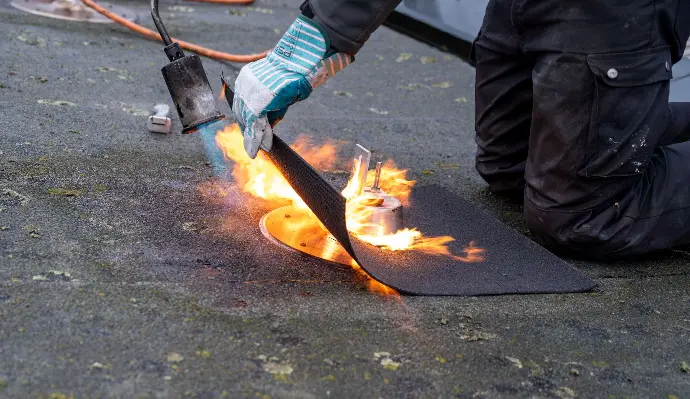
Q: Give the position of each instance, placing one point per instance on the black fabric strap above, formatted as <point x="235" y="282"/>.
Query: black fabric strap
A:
<point x="307" y="11"/>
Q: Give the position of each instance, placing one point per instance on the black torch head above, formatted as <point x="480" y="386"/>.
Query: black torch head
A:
<point x="191" y="93"/>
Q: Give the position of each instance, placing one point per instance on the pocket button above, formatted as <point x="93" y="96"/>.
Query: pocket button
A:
<point x="668" y="66"/>
<point x="612" y="73"/>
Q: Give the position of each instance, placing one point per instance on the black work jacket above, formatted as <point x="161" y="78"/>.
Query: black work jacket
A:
<point x="349" y="23"/>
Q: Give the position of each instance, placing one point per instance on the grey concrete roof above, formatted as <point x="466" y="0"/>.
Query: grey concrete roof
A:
<point x="136" y="285"/>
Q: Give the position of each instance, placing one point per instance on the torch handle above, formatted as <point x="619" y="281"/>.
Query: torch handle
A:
<point x="227" y="91"/>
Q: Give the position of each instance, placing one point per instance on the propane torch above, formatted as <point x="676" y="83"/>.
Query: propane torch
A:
<point x="187" y="83"/>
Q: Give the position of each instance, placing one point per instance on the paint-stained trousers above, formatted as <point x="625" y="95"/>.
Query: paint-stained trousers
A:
<point x="572" y="107"/>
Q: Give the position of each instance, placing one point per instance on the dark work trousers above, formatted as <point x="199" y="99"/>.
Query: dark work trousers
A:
<point x="572" y="107"/>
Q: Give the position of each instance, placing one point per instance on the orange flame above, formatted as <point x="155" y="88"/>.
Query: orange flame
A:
<point x="354" y="186"/>
<point x="260" y="178"/>
<point x="221" y="96"/>
<point x="393" y="181"/>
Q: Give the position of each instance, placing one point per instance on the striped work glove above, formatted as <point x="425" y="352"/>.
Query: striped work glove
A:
<point x="266" y="88"/>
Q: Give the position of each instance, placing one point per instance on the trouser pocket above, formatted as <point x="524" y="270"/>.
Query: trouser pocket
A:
<point x="629" y="113"/>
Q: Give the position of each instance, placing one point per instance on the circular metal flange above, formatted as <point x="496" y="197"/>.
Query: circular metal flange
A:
<point x="385" y="213"/>
<point x="71" y="10"/>
<point x="295" y="230"/>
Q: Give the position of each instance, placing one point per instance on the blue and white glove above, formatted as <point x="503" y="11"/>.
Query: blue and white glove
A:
<point x="265" y="89"/>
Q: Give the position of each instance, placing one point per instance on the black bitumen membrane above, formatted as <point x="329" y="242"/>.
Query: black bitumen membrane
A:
<point x="506" y="262"/>
<point x="510" y="263"/>
<point x="128" y="270"/>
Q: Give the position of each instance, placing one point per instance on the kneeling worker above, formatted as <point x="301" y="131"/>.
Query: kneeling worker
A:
<point x="572" y="110"/>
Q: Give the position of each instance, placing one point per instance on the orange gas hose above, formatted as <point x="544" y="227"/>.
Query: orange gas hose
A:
<point x="207" y="52"/>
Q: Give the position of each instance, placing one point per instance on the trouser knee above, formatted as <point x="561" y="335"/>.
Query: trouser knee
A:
<point x="499" y="179"/>
<point x="545" y="228"/>
<point x="596" y="235"/>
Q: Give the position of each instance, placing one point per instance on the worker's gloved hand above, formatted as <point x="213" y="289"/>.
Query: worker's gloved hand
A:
<point x="266" y="88"/>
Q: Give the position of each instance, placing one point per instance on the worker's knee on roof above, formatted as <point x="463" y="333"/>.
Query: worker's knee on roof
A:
<point x="543" y="226"/>
<point x="488" y="174"/>
<point x="501" y="179"/>
<point x="575" y="233"/>
<point x="560" y="238"/>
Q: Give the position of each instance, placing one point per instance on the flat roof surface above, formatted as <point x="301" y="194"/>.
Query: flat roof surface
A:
<point x="119" y="278"/>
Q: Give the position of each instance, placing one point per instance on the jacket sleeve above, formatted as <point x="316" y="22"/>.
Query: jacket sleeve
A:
<point x="349" y="23"/>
